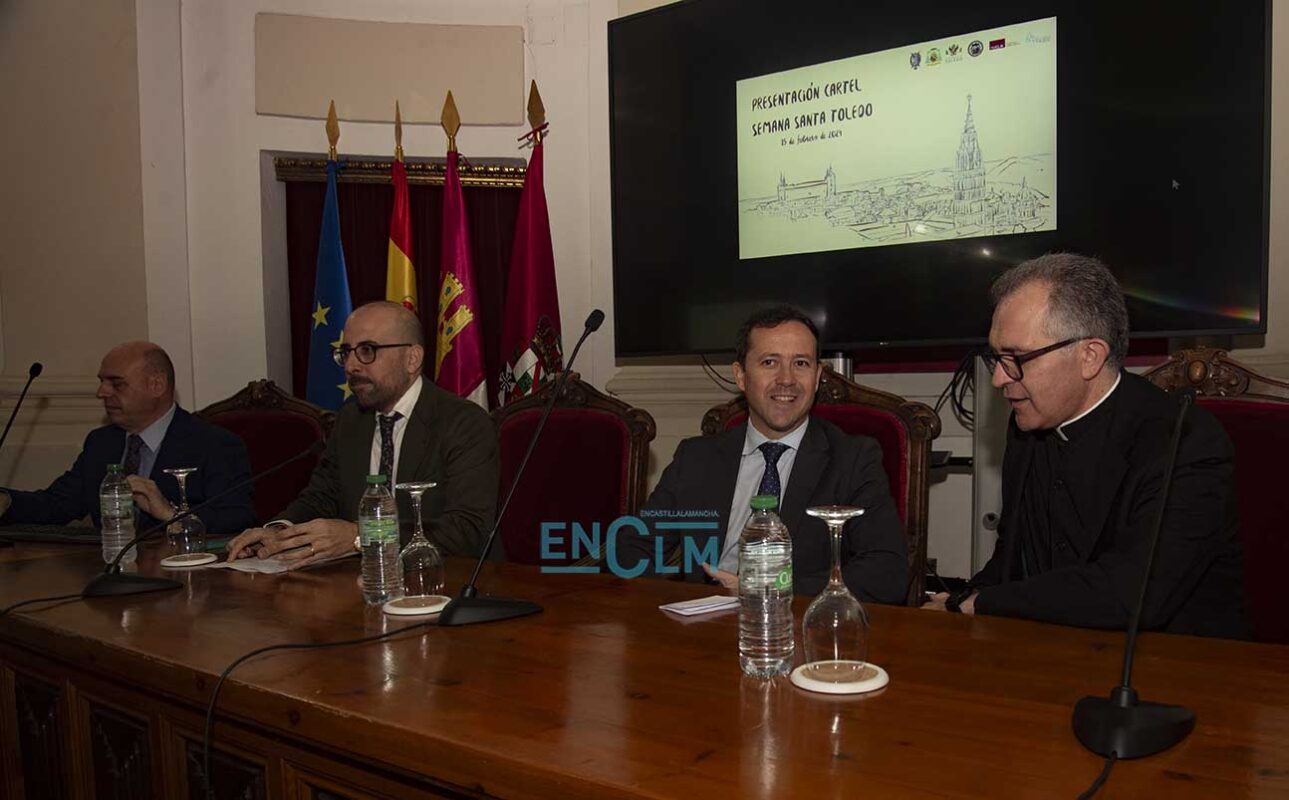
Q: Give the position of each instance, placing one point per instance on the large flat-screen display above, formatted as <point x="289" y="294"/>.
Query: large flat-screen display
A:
<point x="880" y="163"/>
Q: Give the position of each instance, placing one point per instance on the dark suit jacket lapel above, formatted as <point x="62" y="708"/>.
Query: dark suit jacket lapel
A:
<point x="415" y="448"/>
<point x="173" y="451"/>
<point x="355" y="460"/>
<point x="807" y="469"/>
<point x="729" y="456"/>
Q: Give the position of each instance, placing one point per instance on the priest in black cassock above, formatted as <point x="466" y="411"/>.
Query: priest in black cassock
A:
<point x="1083" y="472"/>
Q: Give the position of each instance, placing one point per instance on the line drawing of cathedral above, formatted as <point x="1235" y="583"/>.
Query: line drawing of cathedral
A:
<point x="969" y="177"/>
<point x="823" y="189"/>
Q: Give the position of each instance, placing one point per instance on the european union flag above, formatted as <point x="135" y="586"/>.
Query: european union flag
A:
<point x="327" y="386"/>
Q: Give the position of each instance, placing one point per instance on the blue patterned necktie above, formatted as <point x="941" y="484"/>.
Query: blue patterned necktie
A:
<point x="770" y="480"/>
<point x="133" y="454"/>
<point x="387" y="445"/>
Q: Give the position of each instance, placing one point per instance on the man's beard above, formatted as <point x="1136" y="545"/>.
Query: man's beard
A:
<point x="374" y="395"/>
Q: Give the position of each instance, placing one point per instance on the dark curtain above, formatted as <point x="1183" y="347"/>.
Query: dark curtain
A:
<point x="364" y="231"/>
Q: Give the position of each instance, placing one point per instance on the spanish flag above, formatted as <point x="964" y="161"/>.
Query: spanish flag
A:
<point x="400" y="275"/>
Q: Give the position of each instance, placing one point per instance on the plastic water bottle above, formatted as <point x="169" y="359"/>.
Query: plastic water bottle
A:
<point x="116" y="505"/>
<point x="378" y="539"/>
<point x="765" y="592"/>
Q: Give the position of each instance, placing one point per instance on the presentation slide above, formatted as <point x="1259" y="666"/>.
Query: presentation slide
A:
<point x="947" y="139"/>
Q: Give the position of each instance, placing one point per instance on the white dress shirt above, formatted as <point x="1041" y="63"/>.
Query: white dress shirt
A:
<point x="750" y="470"/>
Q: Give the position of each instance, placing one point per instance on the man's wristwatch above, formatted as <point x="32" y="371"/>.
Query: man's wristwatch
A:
<point x="956" y="599"/>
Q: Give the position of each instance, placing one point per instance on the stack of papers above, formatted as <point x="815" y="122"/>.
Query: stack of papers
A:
<point x="702" y="605"/>
<point x="271" y="566"/>
<point x="266" y="566"/>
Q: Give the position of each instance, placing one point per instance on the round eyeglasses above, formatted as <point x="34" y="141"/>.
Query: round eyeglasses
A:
<point x="366" y="352"/>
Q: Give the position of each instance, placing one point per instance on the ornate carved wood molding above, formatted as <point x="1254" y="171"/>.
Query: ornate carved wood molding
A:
<point x="1213" y="373"/>
<point x="504" y="173"/>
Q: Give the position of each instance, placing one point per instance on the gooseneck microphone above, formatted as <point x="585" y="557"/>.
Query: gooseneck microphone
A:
<point x="113" y="582"/>
<point x="468" y="608"/>
<point x="32" y="373"/>
<point x="1121" y="726"/>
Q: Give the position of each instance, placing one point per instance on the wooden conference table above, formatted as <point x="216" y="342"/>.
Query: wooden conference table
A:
<point x="602" y="695"/>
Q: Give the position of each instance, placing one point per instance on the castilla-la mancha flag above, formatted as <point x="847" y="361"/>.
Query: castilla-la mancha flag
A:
<point x="400" y="274"/>
<point x="458" y="359"/>
<point x="530" y="338"/>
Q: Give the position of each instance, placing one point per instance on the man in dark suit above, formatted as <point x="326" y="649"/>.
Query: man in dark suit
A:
<point x="781" y="450"/>
<point x="402" y="426"/>
<point x="149" y="434"/>
<point x="1087" y="447"/>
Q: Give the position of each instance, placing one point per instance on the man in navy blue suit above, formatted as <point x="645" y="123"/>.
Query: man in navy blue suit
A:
<point x="148" y="434"/>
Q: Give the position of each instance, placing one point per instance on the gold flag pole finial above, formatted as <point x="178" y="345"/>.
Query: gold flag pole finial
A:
<point x="536" y="111"/>
<point x="451" y="121"/>
<point x="333" y="130"/>
<point x="398" y="132"/>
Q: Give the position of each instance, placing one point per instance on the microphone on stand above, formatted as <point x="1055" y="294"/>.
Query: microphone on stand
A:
<point x="32" y="373"/>
<point x="468" y="608"/>
<point x="1121" y="725"/>
<point x="113" y="582"/>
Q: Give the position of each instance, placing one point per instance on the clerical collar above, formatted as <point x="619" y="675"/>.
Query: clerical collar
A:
<point x="1060" y="429"/>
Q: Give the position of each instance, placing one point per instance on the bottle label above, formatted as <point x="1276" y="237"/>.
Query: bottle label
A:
<point x="783" y="581"/>
<point x="381" y="529"/>
<point x="116" y="507"/>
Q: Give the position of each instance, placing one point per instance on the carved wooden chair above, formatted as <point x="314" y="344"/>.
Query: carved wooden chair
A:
<point x="589" y="467"/>
<point x="1254" y="410"/>
<point x="274" y="425"/>
<point x="904" y="429"/>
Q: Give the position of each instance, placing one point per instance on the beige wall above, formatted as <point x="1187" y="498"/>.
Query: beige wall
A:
<point x="71" y="236"/>
<point x="71" y="246"/>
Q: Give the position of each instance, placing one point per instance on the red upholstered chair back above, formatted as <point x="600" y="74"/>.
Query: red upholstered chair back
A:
<point x="275" y="426"/>
<point x="903" y="428"/>
<point x="589" y="466"/>
<point x="1254" y="410"/>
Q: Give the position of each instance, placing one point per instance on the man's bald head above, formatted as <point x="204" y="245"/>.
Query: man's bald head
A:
<point x="136" y="384"/>
<point x="402" y="323"/>
<point x="398" y="361"/>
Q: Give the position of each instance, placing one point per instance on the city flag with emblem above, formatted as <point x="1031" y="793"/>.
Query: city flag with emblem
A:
<point x="458" y="357"/>
<point x="327" y="385"/>
<point x="530" y="335"/>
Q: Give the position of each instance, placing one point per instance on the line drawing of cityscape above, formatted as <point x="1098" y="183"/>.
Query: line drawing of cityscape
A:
<point x="973" y="197"/>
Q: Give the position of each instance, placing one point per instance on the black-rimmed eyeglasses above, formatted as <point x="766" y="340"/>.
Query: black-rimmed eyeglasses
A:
<point x="366" y="352"/>
<point x="1013" y="363"/>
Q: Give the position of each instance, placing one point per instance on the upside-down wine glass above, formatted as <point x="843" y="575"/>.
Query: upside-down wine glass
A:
<point x="835" y="627"/>
<point x="422" y="563"/>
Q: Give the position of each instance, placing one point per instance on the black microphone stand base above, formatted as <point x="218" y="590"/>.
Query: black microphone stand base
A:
<point x="1129" y="728"/>
<point x="473" y="610"/>
<point x="116" y="584"/>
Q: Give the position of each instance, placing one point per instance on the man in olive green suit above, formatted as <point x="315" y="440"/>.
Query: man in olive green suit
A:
<point x="398" y="419"/>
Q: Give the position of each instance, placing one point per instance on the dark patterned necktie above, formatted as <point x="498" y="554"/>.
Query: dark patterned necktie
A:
<point x="387" y="445"/>
<point x="770" y="480"/>
<point x="133" y="446"/>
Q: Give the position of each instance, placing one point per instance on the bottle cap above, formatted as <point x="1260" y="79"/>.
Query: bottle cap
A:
<point x="372" y="480"/>
<point x="765" y="502"/>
